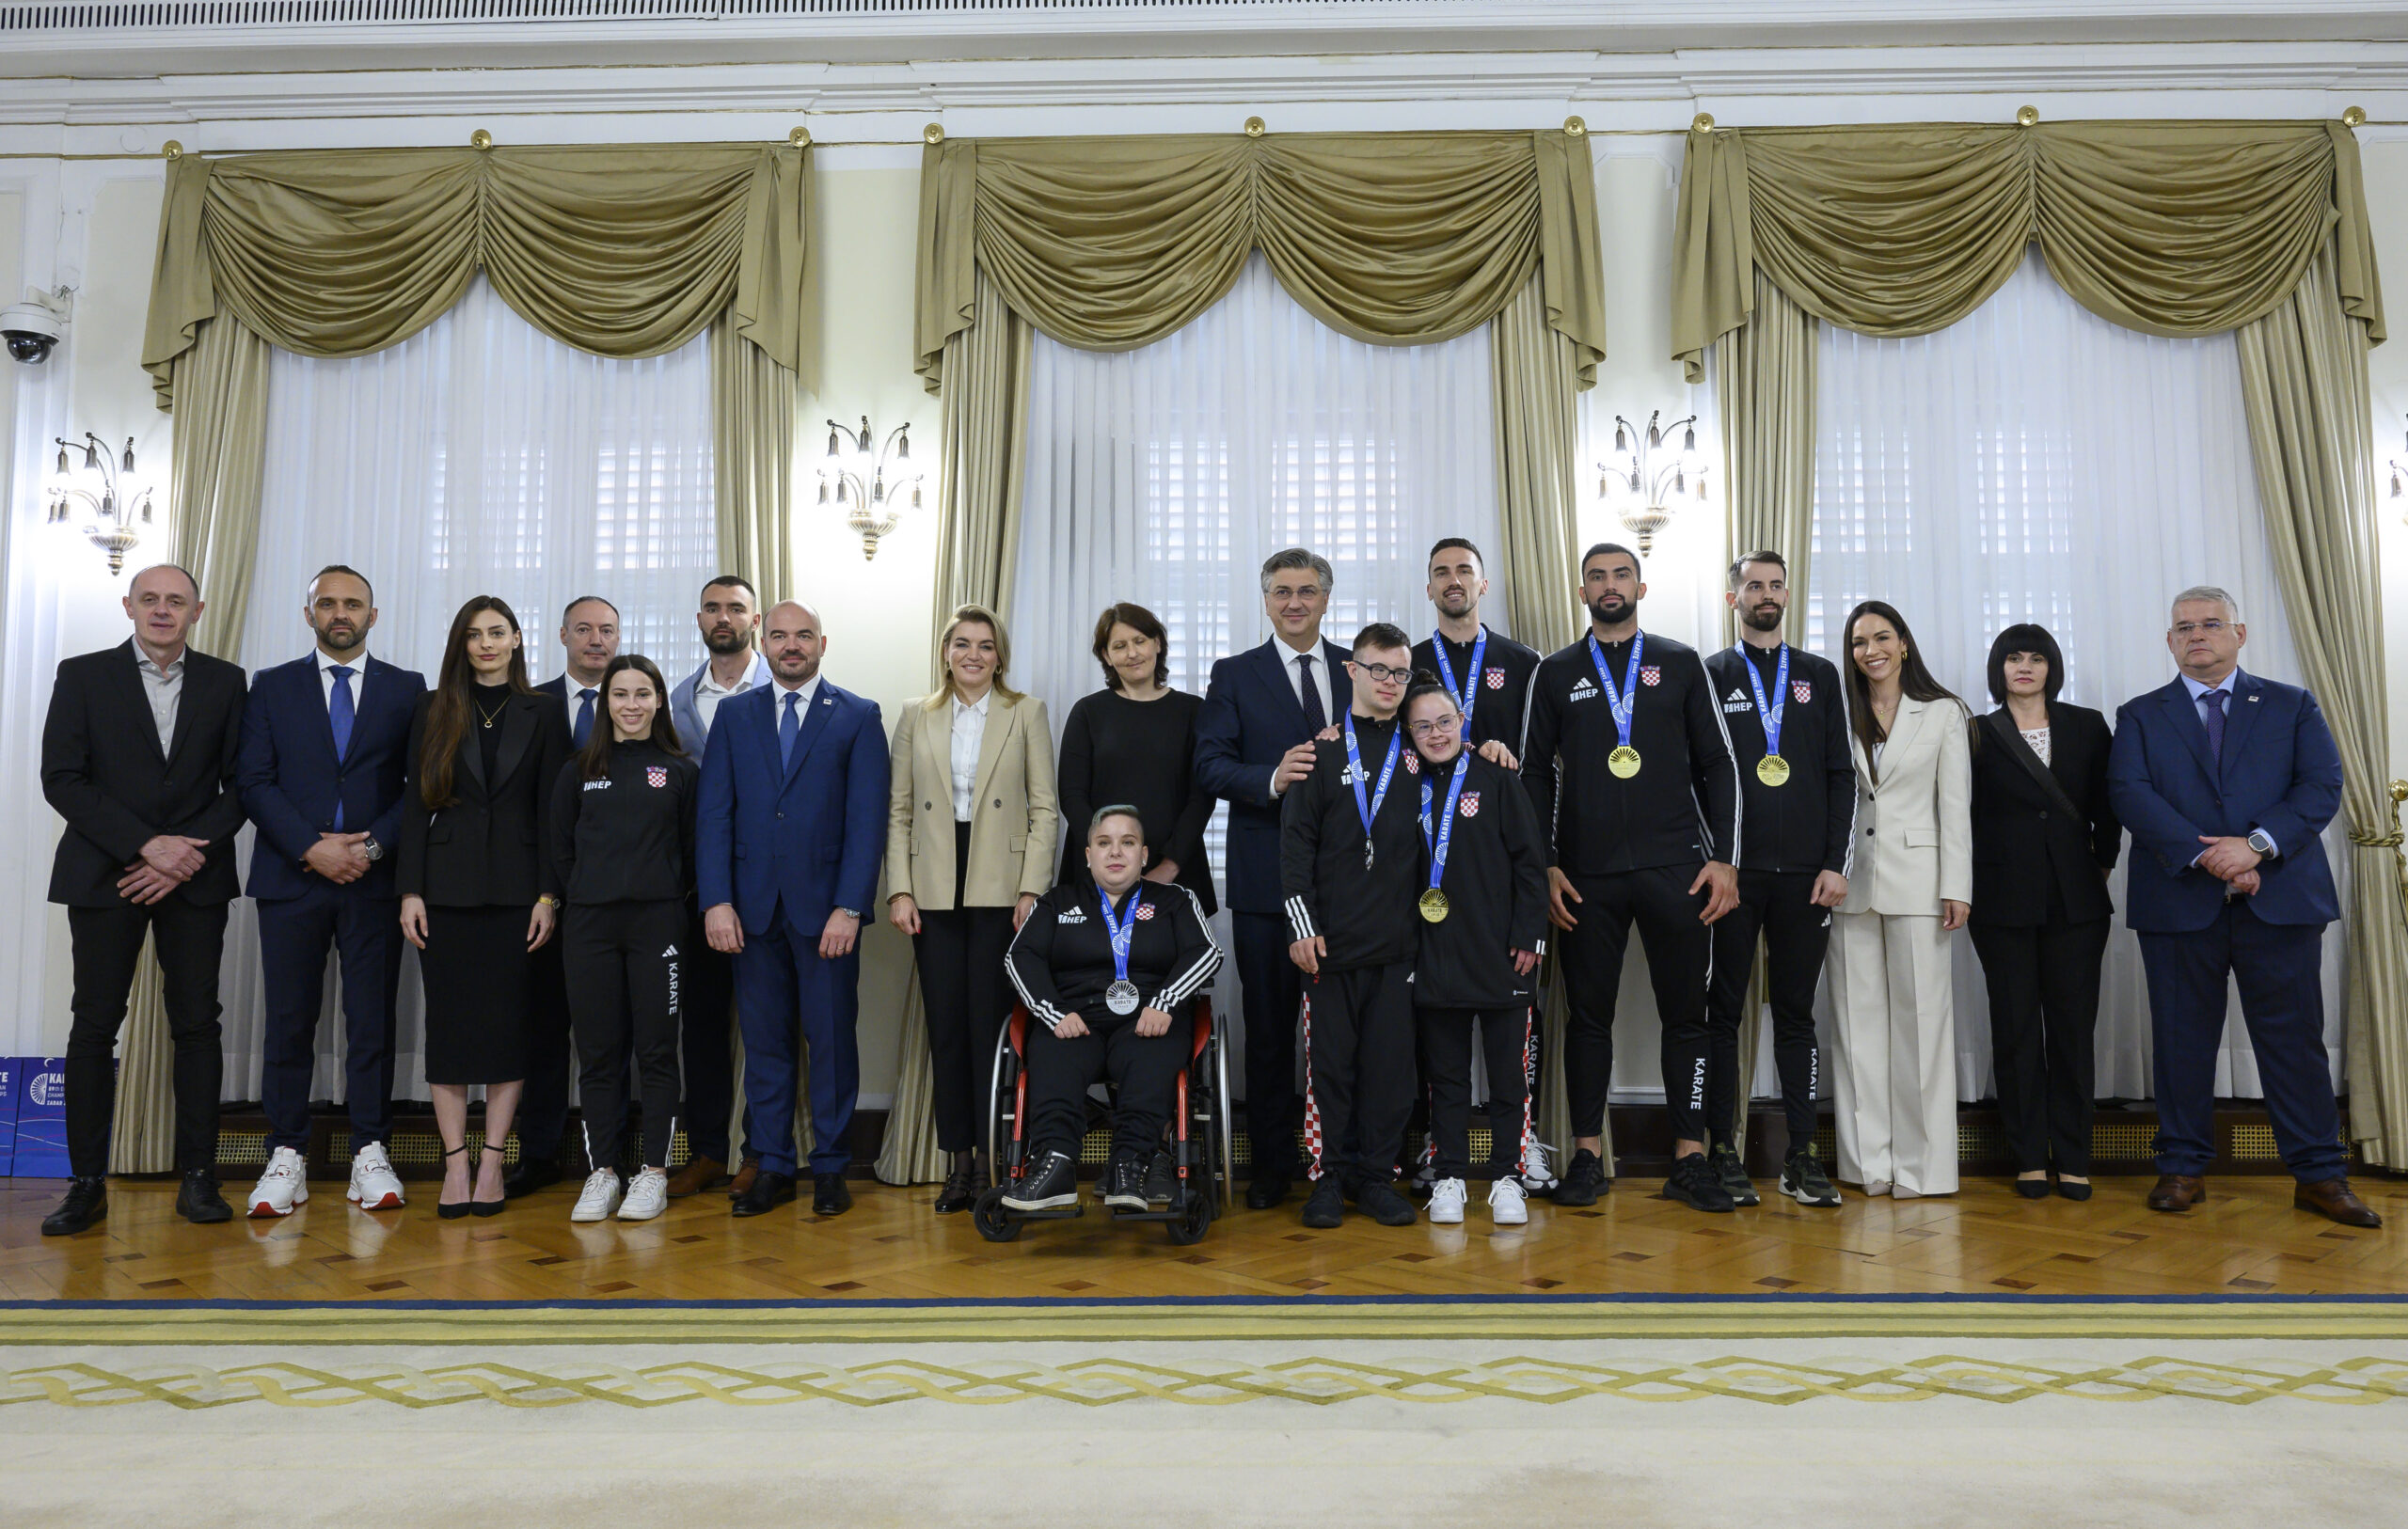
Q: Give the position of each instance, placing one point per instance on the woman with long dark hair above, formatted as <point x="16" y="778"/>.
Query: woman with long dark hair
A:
<point x="1894" y="1017"/>
<point x="1133" y="742"/>
<point x="478" y="891"/>
<point x="623" y="831"/>
<point x="2045" y="837"/>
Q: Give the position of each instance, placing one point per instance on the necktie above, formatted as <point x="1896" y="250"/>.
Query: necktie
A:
<point x="582" y="728"/>
<point x="339" y="714"/>
<point x="2214" y="718"/>
<point x="1316" y="715"/>
<point x="790" y="728"/>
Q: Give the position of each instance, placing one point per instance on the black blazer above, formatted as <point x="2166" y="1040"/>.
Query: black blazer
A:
<point x="2022" y="846"/>
<point x="492" y="846"/>
<point x="102" y="769"/>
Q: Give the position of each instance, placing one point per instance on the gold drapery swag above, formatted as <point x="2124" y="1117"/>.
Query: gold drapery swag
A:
<point x="622" y="251"/>
<point x="2174" y="229"/>
<point x="1393" y="237"/>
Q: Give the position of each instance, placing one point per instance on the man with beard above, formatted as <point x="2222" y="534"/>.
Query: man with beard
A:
<point x="1788" y="727"/>
<point x="325" y="749"/>
<point x="729" y="618"/>
<point x="1644" y="829"/>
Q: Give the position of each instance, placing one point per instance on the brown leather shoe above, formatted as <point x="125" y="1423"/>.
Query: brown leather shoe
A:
<point x="699" y="1174"/>
<point x="746" y="1172"/>
<point x="2334" y="1199"/>
<point x="2177" y="1191"/>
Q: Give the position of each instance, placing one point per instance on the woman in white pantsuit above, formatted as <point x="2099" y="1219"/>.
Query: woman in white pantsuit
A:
<point x="1894" y="1018"/>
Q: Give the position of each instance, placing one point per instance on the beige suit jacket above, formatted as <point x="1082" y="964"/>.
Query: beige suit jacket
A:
<point x="1914" y="825"/>
<point x="1015" y="826"/>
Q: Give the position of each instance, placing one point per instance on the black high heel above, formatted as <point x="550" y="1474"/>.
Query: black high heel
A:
<point x="457" y="1208"/>
<point x="483" y="1207"/>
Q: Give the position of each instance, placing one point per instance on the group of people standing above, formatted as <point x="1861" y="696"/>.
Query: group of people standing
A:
<point x="605" y="858"/>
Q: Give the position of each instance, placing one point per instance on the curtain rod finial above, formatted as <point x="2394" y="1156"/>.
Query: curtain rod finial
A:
<point x="172" y="150"/>
<point x="1256" y="127"/>
<point x="1703" y="123"/>
<point x="480" y="140"/>
<point x="799" y="138"/>
<point x="2027" y="116"/>
<point x="1574" y="128"/>
<point x="933" y="133"/>
<point x="2353" y="116"/>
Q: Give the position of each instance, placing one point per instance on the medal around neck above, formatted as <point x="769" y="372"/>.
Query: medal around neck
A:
<point x="1433" y="907"/>
<point x="1623" y="762"/>
<point x="1470" y="695"/>
<point x="1368" y="806"/>
<point x="1440" y="837"/>
<point x="1772" y="770"/>
<point x="1622" y="700"/>
<point x="1121" y="996"/>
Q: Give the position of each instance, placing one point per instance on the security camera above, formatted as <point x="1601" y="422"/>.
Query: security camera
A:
<point x="32" y="331"/>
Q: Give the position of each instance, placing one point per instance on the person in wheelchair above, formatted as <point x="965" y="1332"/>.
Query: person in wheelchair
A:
<point x="1104" y="971"/>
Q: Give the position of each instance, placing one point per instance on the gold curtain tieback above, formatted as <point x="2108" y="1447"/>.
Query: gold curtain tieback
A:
<point x="2390" y="841"/>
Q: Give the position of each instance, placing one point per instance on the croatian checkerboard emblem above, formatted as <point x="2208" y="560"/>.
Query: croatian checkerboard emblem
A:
<point x="656" y="775"/>
<point x="1801" y="691"/>
<point x="1651" y="674"/>
<point x="1497" y="679"/>
<point x="1145" y="910"/>
<point x="1413" y="763"/>
<point x="1469" y="803"/>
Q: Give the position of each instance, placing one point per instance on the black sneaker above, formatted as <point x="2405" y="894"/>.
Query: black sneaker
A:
<point x="1052" y="1184"/>
<point x="1693" y="1183"/>
<point x="1583" y="1181"/>
<point x="1126" y="1181"/>
<point x="1803" y="1180"/>
<point x="1379" y="1200"/>
<point x="1162" y="1180"/>
<point x="85" y="1206"/>
<point x="1733" y="1175"/>
<point x="199" y="1201"/>
<point x="1325" y="1207"/>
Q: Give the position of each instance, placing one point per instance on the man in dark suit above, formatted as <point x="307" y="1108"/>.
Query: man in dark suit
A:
<point x="1254" y="739"/>
<point x="588" y="640"/>
<point x="2226" y="779"/>
<point x="791" y="827"/>
<point x="137" y="755"/>
<point x="325" y="743"/>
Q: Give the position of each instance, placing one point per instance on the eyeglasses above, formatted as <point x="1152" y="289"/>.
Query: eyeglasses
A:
<point x="1381" y="674"/>
<point x="2184" y="629"/>
<point x="1432" y="729"/>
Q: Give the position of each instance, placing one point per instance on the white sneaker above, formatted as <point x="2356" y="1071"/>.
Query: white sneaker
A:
<point x="647" y="1195"/>
<point x="1446" y="1203"/>
<point x="283" y="1186"/>
<point x="1508" y="1205"/>
<point x="375" y="1186"/>
<point x="599" y="1197"/>
<point x="1538" y="1173"/>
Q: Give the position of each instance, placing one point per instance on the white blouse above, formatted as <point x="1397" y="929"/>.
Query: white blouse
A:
<point x="2039" y="738"/>
<point x="969" y="735"/>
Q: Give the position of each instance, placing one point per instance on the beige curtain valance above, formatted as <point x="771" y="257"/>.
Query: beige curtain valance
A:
<point x="622" y="251"/>
<point x="1394" y="238"/>
<point x="2178" y="229"/>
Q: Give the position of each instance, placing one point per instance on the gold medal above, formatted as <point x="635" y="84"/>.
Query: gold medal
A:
<point x="1434" y="905"/>
<point x="1623" y="762"/>
<point x="1772" y="770"/>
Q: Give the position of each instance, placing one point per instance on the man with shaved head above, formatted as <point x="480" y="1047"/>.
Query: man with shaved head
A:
<point x="796" y="774"/>
<point x="139" y="757"/>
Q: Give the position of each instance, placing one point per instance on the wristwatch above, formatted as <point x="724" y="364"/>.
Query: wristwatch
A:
<point x="2262" y="842"/>
<point x="853" y="913"/>
<point x="374" y="850"/>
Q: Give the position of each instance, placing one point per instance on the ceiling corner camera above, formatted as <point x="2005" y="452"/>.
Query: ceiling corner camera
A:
<point x="32" y="327"/>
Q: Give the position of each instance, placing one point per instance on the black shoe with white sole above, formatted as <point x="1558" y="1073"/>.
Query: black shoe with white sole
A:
<point x="1162" y="1180"/>
<point x="1694" y="1184"/>
<point x="1732" y="1174"/>
<point x="1125" y="1184"/>
<point x="1050" y="1185"/>
<point x="1803" y="1180"/>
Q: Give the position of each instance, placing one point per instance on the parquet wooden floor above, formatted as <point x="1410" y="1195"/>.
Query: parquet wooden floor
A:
<point x="2248" y="1239"/>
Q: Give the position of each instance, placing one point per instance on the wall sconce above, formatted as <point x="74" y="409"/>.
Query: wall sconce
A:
<point x="96" y="496"/>
<point x="2398" y="469"/>
<point x="1643" y="484"/>
<point x="859" y="479"/>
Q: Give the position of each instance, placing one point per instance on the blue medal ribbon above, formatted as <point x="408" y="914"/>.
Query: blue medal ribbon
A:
<point x="1122" y="930"/>
<point x="1470" y="691"/>
<point x="1622" y="701"/>
<point x="1769" y="715"/>
<point x="1370" y="806"/>
<point x="1446" y="828"/>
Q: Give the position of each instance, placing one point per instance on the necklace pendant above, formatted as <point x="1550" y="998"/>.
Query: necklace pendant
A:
<point x="1367" y="855"/>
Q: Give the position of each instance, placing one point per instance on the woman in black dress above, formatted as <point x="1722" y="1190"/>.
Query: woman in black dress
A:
<point x="478" y="892"/>
<point x="2044" y="840"/>
<point x="1133" y="742"/>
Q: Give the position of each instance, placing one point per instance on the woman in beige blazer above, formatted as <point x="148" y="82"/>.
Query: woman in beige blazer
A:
<point x="970" y="825"/>
<point x="1894" y="1017"/>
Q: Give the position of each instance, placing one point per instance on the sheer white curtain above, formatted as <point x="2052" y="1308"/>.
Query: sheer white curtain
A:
<point x="2036" y="462"/>
<point x="478" y="457"/>
<point x="1166" y="475"/>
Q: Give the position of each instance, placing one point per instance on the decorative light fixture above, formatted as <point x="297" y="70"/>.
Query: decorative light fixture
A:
<point x="861" y="480"/>
<point x="98" y="496"/>
<point x="1644" y="482"/>
<point x="2399" y="469"/>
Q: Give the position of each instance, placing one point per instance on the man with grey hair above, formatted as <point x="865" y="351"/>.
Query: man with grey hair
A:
<point x="2226" y="781"/>
<point x="1254" y="739"/>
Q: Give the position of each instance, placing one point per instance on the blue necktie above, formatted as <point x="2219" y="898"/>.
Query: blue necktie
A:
<point x="338" y="713"/>
<point x="2214" y="718"/>
<point x="789" y="729"/>
<point x="582" y="728"/>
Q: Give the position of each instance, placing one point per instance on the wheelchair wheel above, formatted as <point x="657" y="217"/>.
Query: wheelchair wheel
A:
<point x="1196" y="1220"/>
<point x="993" y="1219"/>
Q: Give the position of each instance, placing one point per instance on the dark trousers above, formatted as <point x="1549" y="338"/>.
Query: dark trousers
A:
<point x="294" y="936"/>
<point x="960" y="951"/>
<point x="1357" y="1034"/>
<point x="2044" y="1006"/>
<point x="1680" y="954"/>
<point x="708" y="1020"/>
<point x="785" y="992"/>
<point x="542" y="1104"/>
<point x="1446" y="1068"/>
<point x="1144" y="1084"/>
<point x="625" y="966"/>
<point x="191" y="941"/>
<point x="1778" y="905"/>
<point x="1271" y="988"/>
<point x="2278" y="967"/>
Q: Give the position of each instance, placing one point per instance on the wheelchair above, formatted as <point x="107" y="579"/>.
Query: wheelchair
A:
<point x="1200" y="1145"/>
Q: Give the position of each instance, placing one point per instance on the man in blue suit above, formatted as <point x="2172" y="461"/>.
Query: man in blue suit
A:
<point x="321" y="769"/>
<point x="790" y="826"/>
<point x="2226" y="781"/>
<point x="1254" y="739"/>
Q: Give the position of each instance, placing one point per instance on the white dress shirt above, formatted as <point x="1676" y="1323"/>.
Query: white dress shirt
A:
<point x="1317" y="662"/>
<point x="708" y="693"/>
<point x="969" y="737"/>
<point x="163" y="687"/>
<point x="356" y="663"/>
<point x="2199" y="704"/>
<point x="808" y="690"/>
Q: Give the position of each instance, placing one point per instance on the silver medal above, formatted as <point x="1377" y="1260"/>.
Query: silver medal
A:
<point x="1121" y="997"/>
